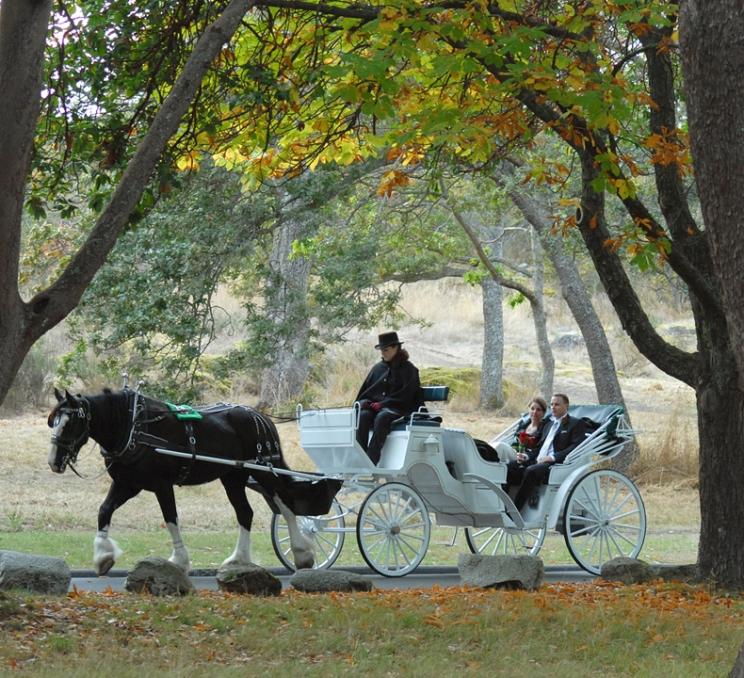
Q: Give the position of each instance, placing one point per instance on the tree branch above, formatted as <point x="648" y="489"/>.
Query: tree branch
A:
<point x="51" y="305"/>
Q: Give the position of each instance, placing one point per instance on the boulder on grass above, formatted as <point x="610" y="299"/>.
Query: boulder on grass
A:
<point x="684" y="573"/>
<point x="35" y="573"/>
<point x="510" y="572"/>
<point x="324" y="581"/>
<point x="158" y="577"/>
<point x="251" y="579"/>
<point x="635" y="571"/>
<point x="626" y="570"/>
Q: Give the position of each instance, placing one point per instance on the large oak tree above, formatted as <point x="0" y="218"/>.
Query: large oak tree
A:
<point x="473" y="81"/>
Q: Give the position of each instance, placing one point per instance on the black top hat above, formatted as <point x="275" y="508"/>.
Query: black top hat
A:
<point x="388" y="339"/>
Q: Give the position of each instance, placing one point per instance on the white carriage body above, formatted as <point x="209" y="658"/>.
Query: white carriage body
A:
<point x="436" y="469"/>
<point x="435" y="460"/>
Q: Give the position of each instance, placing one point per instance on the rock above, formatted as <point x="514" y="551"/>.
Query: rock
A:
<point x="683" y="573"/>
<point x="568" y="342"/>
<point x="35" y="573"/>
<point x="323" y="581"/>
<point x="159" y="577"/>
<point x="626" y="570"/>
<point x="635" y="571"/>
<point x="251" y="579"/>
<point x="525" y="572"/>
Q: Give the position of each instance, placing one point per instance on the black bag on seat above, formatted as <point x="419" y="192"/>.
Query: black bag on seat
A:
<point x="485" y="450"/>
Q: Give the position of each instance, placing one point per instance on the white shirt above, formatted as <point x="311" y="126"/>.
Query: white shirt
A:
<point x="547" y="447"/>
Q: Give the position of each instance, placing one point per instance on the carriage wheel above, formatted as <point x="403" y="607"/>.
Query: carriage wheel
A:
<point x="326" y="533"/>
<point x="504" y="541"/>
<point x="604" y="519"/>
<point x="393" y="529"/>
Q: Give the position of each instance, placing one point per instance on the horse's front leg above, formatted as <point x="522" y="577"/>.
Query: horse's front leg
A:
<point x="105" y="549"/>
<point x="167" y="501"/>
<point x="234" y="484"/>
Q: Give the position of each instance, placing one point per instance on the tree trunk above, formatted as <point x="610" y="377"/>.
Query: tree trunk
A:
<point x="547" y="360"/>
<point x="573" y="291"/>
<point x="492" y="365"/>
<point x="721" y="430"/>
<point x="713" y="61"/>
<point x="287" y="312"/>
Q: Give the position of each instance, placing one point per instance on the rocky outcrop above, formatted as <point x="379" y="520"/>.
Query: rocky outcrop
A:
<point x="635" y="571"/>
<point x="250" y="579"/>
<point x="324" y="581"/>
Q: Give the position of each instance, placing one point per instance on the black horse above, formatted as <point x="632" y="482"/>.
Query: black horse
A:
<point x="130" y="426"/>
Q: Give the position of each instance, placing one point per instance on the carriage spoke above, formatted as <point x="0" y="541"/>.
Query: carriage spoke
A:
<point x="634" y="512"/>
<point x="506" y="541"/>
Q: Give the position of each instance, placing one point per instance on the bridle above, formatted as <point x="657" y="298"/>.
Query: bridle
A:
<point x="71" y="448"/>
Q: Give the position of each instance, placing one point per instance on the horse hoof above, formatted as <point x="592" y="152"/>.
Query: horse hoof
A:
<point x="305" y="562"/>
<point x="104" y="566"/>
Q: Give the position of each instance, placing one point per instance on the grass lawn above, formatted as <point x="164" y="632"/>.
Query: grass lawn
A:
<point x="561" y="630"/>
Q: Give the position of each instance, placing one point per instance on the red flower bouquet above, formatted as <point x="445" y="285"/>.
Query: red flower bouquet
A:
<point x="524" y="440"/>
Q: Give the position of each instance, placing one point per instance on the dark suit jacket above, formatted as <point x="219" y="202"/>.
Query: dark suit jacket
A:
<point x="571" y="432"/>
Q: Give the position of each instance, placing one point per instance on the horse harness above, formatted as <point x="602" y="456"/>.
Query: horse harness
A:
<point x="139" y="439"/>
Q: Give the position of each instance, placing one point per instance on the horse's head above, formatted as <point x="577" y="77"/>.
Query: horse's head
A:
<point x="70" y="424"/>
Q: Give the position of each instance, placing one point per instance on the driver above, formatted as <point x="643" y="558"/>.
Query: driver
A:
<point x="391" y="390"/>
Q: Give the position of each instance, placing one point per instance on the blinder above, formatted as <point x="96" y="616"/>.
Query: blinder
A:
<point x="70" y="442"/>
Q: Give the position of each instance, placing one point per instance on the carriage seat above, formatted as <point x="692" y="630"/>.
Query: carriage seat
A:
<point x="596" y="416"/>
<point x="602" y="439"/>
<point x="423" y="417"/>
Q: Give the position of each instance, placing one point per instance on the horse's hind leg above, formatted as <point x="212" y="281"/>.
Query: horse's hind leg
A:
<point x="302" y="547"/>
<point x="105" y="549"/>
<point x="167" y="501"/>
<point x="234" y="484"/>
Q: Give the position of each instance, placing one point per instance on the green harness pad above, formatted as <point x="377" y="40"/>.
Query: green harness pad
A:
<point x="184" y="412"/>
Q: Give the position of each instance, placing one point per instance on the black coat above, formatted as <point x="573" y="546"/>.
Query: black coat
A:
<point x="394" y="385"/>
<point x="571" y="432"/>
<point x="539" y="437"/>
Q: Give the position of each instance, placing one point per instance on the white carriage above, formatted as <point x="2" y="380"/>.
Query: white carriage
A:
<point x="427" y="468"/>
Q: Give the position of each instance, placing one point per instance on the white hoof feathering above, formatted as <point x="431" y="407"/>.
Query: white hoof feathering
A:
<point x="242" y="553"/>
<point x="105" y="552"/>
<point x="302" y="547"/>
<point x="180" y="556"/>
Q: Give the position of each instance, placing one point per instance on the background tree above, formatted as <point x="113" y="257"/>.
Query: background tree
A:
<point x="24" y="29"/>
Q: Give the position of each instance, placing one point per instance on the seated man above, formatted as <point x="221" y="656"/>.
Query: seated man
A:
<point x="391" y="390"/>
<point x="561" y="435"/>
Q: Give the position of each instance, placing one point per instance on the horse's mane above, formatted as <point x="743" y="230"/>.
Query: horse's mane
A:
<point x="111" y="415"/>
